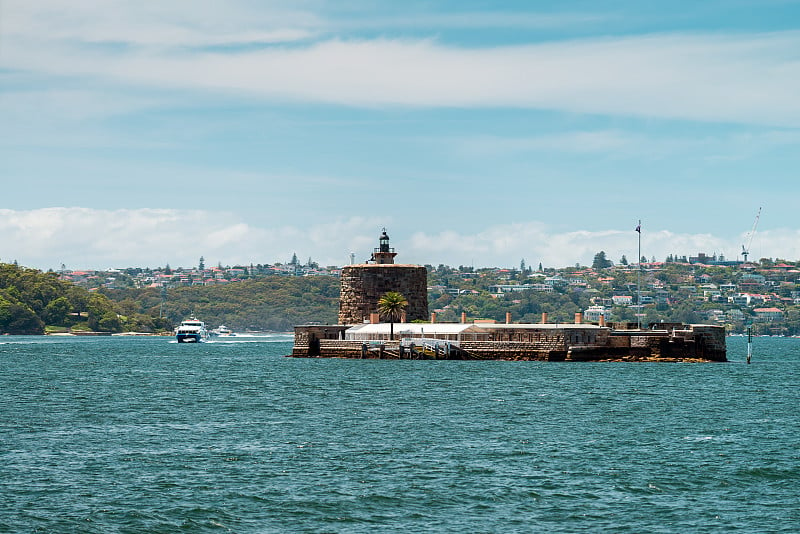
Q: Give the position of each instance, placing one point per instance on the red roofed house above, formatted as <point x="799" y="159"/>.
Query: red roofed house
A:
<point x="768" y="315"/>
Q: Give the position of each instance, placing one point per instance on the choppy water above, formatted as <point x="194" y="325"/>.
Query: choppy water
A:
<point x="144" y="435"/>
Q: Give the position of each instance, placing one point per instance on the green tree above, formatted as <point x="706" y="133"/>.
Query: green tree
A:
<point x="101" y="311"/>
<point x="109" y="322"/>
<point x="600" y="261"/>
<point x="57" y="311"/>
<point x="17" y="318"/>
<point x="391" y="305"/>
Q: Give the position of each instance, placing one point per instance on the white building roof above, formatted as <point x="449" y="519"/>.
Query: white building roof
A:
<point x="538" y="326"/>
<point x="436" y="329"/>
<point x="416" y="329"/>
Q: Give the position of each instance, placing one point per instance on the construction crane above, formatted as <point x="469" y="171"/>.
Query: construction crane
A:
<point x="749" y="237"/>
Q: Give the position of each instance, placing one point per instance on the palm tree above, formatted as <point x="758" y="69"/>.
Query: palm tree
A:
<point x="391" y="305"/>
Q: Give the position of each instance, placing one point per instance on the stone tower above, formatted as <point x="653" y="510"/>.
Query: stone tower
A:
<point x="363" y="285"/>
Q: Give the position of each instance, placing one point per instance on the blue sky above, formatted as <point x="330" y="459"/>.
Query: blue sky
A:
<point x="141" y="134"/>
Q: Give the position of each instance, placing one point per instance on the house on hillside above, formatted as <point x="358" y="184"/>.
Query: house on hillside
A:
<point x="592" y="314"/>
<point x="768" y="315"/>
<point x="622" y="300"/>
<point x="735" y="315"/>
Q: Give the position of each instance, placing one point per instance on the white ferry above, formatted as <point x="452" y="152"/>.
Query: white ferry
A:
<point x="222" y="331"/>
<point x="191" y="330"/>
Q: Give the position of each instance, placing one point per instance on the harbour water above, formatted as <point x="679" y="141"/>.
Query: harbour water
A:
<point x="145" y="435"/>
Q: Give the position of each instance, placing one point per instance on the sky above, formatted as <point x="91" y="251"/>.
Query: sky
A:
<point x="141" y="134"/>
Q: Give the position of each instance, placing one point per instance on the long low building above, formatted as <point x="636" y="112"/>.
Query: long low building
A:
<point x="443" y="331"/>
<point x="513" y="341"/>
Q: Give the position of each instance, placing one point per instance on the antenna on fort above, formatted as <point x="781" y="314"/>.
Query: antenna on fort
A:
<point x="352" y="258"/>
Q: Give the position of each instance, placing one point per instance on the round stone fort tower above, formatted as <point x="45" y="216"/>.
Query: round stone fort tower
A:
<point x="363" y="285"/>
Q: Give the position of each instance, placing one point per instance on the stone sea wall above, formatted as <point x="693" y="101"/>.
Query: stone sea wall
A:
<point x="687" y="343"/>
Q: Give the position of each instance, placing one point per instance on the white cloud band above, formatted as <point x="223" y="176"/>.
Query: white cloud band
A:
<point x="747" y="78"/>
<point x="92" y="238"/>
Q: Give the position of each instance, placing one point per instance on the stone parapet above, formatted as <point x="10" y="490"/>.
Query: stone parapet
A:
<point x="307" y="339"/>
<point x="510" y="350"/>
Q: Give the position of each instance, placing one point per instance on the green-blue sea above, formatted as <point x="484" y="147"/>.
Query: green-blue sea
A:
<point x="121" y="434"/>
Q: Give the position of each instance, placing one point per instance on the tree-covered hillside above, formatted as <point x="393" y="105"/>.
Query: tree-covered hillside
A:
<point x="32" y="301"/>
<point x="275" y="303"/>
<point x="764" y="295"/>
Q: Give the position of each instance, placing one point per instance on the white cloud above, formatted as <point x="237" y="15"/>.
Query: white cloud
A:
<point x="209" y="23"/>
<point x="506" y="245"/>
<point x="624" y="144"/>
<point x="748" y="78"/>
<point x="93" y="238"/>
<point x="588" y="142"/>
<point x="177" y="23"/>
<point x="70" y="104"/>
<point x="90" y="238"/>
<point x="472" y="21"/>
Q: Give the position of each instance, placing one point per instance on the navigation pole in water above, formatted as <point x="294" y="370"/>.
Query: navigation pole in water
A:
<point x="749" y="342"/>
